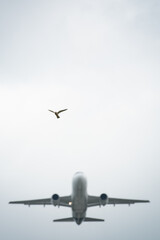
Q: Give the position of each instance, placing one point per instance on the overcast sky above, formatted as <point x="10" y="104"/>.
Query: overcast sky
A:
<point x="100" y="59"/>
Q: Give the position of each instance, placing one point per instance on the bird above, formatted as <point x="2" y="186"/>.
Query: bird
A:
<point x="57" y="113"/>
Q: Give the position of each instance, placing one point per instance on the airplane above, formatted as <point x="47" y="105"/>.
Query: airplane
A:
<point x="57" y="113"/>
<point x="79" y="201"/>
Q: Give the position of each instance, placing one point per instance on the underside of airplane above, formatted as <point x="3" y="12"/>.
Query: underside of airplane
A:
<point x="79" y="201"/>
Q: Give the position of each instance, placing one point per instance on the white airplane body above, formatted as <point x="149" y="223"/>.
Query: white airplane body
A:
<point x="79" y="201"/>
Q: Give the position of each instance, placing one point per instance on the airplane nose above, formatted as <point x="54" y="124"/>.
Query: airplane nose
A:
<point x="79" y="173"/>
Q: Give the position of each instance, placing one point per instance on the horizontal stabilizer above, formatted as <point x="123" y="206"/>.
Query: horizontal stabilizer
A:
<point x="87" y="219"/>
<point x="64" y="220"/>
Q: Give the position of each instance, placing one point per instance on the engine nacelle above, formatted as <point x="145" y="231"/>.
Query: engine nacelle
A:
<point x="55" y="199"/>
<point x="103" y="199"/>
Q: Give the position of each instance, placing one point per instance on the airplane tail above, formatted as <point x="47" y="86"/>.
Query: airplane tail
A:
<point x="87" y="219"/>
<point x="64" y="220"/>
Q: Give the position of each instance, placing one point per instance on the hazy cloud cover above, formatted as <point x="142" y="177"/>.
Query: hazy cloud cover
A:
<point x="100" y="59"/>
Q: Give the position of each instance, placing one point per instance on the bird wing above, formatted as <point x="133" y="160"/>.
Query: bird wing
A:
<point x="51" y="111"/>
<point x="62" y="110"/>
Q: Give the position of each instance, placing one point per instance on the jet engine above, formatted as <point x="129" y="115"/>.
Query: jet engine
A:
<point x="55" y="199"/>
<point x="103" y="199"/>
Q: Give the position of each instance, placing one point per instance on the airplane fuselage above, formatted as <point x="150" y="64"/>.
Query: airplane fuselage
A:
<point x="79" y="197"/>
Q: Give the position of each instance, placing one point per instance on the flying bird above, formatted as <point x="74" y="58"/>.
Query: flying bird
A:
<point x="57" y="113"/>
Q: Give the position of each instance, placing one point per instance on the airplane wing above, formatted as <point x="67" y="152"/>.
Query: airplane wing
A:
<point x="96" y="201"/>
<point x="64" y="201"/>
<point x="125" y="201"/>
<point x="45" y="201"/>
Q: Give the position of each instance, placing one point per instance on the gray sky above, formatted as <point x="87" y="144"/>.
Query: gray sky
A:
<point x="100" y="59"/>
